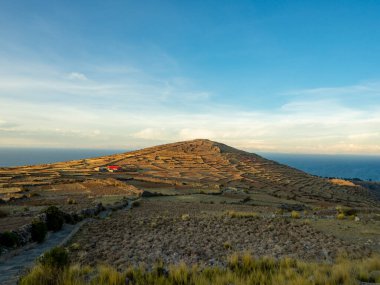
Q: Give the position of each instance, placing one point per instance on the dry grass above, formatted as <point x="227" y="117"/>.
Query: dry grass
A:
<point x="241" y="269"/>
<point x="295" y="215"/>
<point x="185" y="217"/>
<point x="340" y="216"/>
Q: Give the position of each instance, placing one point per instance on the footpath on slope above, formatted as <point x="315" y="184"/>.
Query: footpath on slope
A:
<point x="12" y="268"/>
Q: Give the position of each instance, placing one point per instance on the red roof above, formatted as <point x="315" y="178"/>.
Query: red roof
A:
<point x="114" y="167"/>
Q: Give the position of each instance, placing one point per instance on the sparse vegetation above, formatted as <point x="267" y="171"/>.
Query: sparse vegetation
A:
<point x="241" y="269"/>
<point x="135" y="204"/>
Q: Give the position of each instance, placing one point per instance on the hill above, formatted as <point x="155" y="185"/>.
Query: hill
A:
<point x="188" y="167"/>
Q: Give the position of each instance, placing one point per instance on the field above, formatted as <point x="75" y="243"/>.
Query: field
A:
<point x="175" y="231"/>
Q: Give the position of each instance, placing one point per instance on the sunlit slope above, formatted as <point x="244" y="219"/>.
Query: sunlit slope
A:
<point x="199" y="164"/>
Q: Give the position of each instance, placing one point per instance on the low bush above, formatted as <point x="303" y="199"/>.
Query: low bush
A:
<point x="56" y="258"/>
<point x="39" y="231"/>
<point x="9" y="239"/>
<point x="54" y="218"/>
<point x="135" y="204"/>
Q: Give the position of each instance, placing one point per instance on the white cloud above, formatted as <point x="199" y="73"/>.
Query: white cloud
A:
<point x="77" y="76"/>
<point x="46" y="109"/>
<point x="151" y="134"/>
<point x="371" y="87"/>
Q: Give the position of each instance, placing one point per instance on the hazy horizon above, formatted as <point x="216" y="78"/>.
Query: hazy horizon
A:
<point x="286" y="77"/>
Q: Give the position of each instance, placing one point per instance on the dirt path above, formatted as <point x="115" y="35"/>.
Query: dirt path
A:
<point x="12" y="268"/>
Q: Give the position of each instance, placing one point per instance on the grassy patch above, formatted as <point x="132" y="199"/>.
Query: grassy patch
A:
<point x="240" y="269"/>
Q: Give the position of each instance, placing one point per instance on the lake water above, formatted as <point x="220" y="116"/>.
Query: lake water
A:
<point x="30" y="156"/>
<point x="349" y="166"/>
<point x="345" y="166"/>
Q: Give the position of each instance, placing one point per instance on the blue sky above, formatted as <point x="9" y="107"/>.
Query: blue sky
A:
<point x="282" y="76"/>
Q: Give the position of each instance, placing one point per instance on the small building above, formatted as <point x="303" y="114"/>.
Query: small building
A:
<point x="101" y="169"/>
<point x="114" y="168"/>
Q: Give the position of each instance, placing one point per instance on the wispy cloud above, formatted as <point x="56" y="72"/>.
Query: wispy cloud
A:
<point x="77" y="76"/>
<point x="92" y="108"/>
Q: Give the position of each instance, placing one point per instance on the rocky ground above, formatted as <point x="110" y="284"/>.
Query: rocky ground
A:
<point x="203" y="233"/>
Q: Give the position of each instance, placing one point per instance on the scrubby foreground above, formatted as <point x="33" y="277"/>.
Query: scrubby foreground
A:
<point x="199" y="233"/>
<point x="241" y="269"/>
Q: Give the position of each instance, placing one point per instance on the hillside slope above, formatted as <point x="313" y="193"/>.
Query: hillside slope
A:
<point x="200" y="165"/>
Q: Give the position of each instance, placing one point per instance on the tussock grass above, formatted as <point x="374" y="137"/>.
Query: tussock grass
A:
<point x="240" y="269"/>
<point x="340" y="216"/>
<point x="185" y="217"/>
<point x="295" y="215"/>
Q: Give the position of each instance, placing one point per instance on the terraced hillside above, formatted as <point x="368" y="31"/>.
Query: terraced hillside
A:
<point x="185" y="168"/>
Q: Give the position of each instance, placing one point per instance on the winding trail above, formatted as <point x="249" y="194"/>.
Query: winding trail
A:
<point x="12" y="268"/>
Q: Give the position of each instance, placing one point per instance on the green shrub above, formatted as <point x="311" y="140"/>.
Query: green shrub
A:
<point x="56" y="258"/>
<point x="54" y="218"/>
<point x="9" y="239"/>
<point x="39" y="231"/>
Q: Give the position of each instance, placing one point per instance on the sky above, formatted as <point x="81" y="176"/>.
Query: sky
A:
<point x="274" y="76"/>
